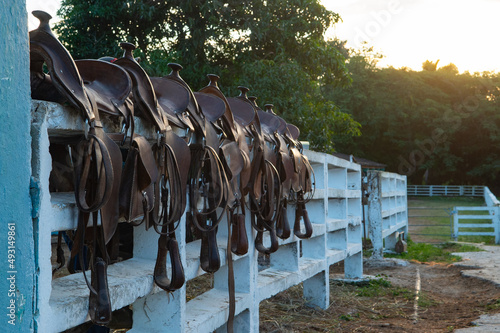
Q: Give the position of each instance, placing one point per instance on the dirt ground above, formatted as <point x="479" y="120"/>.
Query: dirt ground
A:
<point x="447" y="301"/>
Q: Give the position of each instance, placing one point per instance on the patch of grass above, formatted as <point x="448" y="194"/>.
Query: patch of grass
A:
<point x="349" y="317"/>
<point x="373" y="288"/>
<point x="432" y="224"/>
<point x="423" y="252"/>
<point x="488" y="240"/>
<point x="424" y="301"/>
<point x="438" y="202"/>
<point x="456" y="247"/>
<point x="493" y="305"/>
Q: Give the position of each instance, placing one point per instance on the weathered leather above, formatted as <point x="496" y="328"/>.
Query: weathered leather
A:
<point x="138" y="177"/>
<point x="111" y="86"/>
<point x="174" y="98"/>
<point x="100" y="302"/>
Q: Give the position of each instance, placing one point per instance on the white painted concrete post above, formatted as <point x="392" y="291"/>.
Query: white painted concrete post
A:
<point x="286" y="258"/>
<point x="455" y="224"/>
<point x="375" y="213"/>
<point x="160" y="311"/>
<point x="42" y="166"/>
<point x="353" y="266"/>
<point x="496" y="222"/>
<point x="317" y="290"/>
<point x="391" y="240"/>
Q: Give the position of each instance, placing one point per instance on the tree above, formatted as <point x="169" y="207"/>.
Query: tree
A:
<point x="429" y="65"/>
<point x="276" y="48"/>
<point x="437" y="122"/>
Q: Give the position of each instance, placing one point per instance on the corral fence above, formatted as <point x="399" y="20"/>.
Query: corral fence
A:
<point x="62" y="303"/>
<point x="430" y="224"/>
<point x="445" y="190"/>
<point x="478" y="221"/>
<point x="463" y="221"/>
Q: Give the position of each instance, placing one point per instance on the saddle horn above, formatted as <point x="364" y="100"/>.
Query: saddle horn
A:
<point x="128" y="50"/>
<point x="243" y="92"/>
<point x="44" y="18"/>
<point x="213" y="80"/>
<point x="269" y="108"/>
<point x="253" y="99"/>
<point x="176" y="68"/>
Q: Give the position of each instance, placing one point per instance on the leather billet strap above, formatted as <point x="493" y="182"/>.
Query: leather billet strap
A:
<point x="207" y="191"/>
<point x="136" y="186"/>
<point x="171" y="185"/>
<point x="92" y="156"/>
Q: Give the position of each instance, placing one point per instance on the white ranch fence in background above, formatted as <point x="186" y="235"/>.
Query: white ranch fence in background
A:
<point x="387" y="210"/>
<point x="335" y="211"/>
<point x="478" y="221"/>
<point x="445" y="190"/>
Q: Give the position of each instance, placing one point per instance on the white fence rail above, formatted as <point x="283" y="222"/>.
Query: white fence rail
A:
<point x="335" y="212"/>
<point x="387" y="209"/>
<point x="478" y="221"/>
<point x="490" y="199"/>
<point x="445" y="190"/>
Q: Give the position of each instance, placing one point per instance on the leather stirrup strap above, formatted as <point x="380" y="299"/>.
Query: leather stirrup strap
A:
<point x="301" y="212"/>
<point x="230" y="277"/>
<point x="168" y="244"/>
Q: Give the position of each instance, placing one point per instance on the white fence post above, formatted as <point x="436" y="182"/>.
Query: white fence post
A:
<point x="387" y="209"/>
<point x="375" y="213"/>
<point x="455" y="224"/>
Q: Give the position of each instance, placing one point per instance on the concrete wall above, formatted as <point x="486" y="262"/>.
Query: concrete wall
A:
<point x="15" y="171"/>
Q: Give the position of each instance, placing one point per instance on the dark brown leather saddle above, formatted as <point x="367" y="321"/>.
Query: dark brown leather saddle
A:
<point x="261" y="186"/>
<point x="96" y="158"/>
<point x="197" y="114"/>
<point x="172" y="159"/>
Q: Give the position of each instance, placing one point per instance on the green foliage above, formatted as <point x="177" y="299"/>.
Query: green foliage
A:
<point x="276" y="48"/>
<point x="436" y="126"/>
<point x="374" y="288"/>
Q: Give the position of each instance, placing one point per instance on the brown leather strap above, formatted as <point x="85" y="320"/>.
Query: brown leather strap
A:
<point x="230" y="277"/>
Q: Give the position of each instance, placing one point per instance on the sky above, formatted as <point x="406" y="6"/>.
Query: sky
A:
<point x="406" y="32"/>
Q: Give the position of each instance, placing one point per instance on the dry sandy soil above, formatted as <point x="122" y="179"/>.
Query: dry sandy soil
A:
<point x="447" y="301"/>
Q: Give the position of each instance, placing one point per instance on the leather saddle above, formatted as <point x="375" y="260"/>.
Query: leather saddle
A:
<point x="97" y="159"/>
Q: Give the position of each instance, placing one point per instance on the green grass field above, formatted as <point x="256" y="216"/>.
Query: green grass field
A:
<point x="429" y="219"/>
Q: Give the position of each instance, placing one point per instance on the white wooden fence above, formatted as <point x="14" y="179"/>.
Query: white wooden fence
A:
<point x="387" y="210"/>
<point x="445" y="190"/>
<point x="478" y="221"/>
<point x="335" y="211"/>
